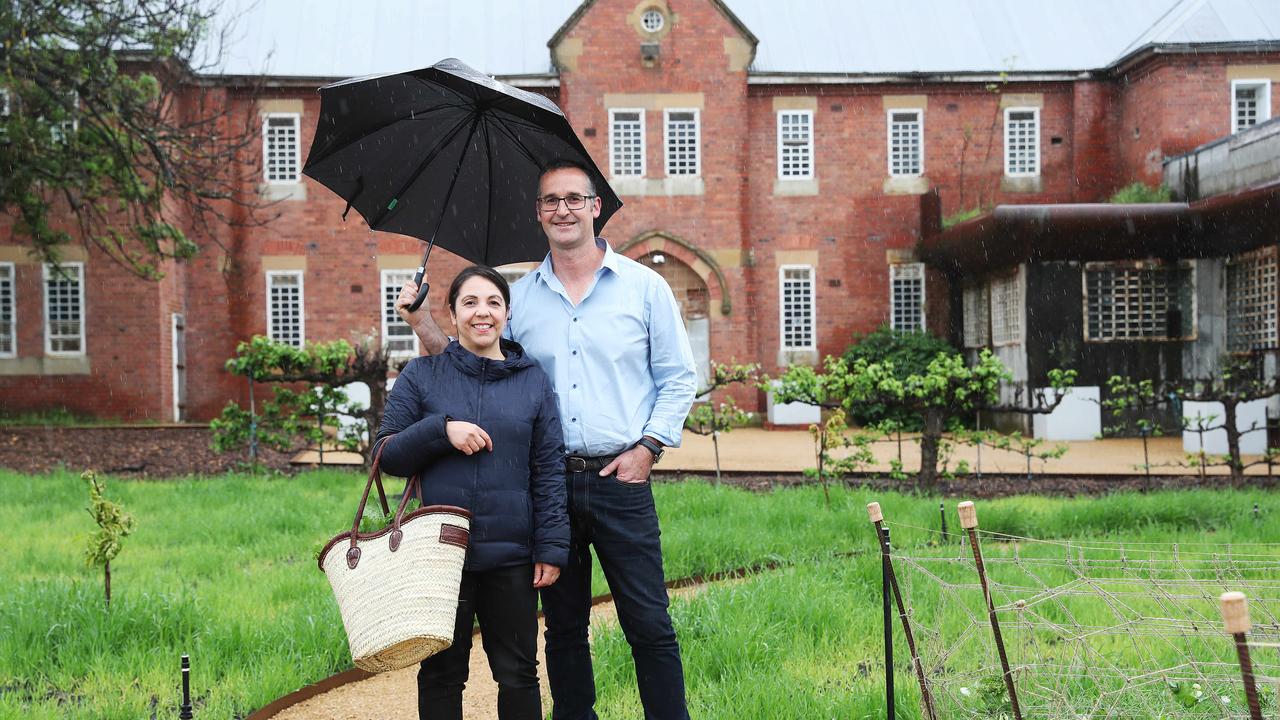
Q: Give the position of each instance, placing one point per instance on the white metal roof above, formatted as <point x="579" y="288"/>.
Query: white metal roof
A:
<point x="338" y="38"/>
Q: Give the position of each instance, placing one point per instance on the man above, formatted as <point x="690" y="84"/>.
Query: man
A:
<point x="608" y="331"/>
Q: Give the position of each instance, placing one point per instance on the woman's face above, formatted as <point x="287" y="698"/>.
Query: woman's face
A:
<point x="480" y="315"/>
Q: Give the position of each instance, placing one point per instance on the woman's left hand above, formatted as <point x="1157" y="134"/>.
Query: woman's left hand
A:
<point x="544" y="575"/>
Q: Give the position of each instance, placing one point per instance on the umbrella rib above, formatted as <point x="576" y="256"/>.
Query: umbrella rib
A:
<point x="488" y="227"/>
<point x="329" y="154"/>
<point x="422" y="167"/>
<point x="444" y="209"/>
<point x="528" y="154"/>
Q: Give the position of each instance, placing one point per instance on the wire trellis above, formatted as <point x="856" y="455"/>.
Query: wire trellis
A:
<point x="1090" y="629"/>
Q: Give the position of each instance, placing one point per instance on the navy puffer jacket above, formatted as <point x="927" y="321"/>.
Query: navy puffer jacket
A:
<point x="516" y="492"/>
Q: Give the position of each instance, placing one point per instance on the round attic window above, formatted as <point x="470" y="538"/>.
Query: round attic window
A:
<point x="652" y="20"/>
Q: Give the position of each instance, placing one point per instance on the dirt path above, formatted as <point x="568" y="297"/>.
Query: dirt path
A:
<point x="393" y="695"/>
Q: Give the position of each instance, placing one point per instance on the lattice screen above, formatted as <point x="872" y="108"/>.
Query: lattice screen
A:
<point x="1251" y="300"/>
<point x="1006" y="309"/>
<point x="977" y="316"/>
<point x="1131" y="301"/>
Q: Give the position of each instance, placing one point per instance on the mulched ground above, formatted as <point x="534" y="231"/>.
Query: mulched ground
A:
<point x="176" y="451"/>
<point x="137" y="452"/>
<point x="994" y="486"/>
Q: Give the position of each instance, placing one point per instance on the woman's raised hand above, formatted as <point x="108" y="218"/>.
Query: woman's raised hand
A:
<point x="468" y="437"/>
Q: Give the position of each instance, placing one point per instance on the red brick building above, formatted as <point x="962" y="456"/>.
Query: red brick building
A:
<point x="771" y="157"/>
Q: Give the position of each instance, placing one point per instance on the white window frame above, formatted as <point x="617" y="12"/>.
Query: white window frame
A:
<point x="6" y="109"/>
<point x="384" y="286"/>
<point x="976" y="306"/>
<point x="894" y="271"/>
<point x="1007" y="301"/>
<point x="11" y="280"/>
<point x="613" y="148"/>
<point x="266" y="147"/>
<point x="648" y="15"/>
<point x="302" y="304"/>
<point x="813" y="308"/>
<point x="48" y="317"/>
<point x="805" y="147"/>
<point x="1264" y="101"/>
<point x="60" y="131"/>
<point x="697" y="141"/>
<point x="1035" y="111"/>
<point x="889" y="139"/>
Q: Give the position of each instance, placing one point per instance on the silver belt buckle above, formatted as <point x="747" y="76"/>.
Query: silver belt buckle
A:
<point x="575" y="464"/>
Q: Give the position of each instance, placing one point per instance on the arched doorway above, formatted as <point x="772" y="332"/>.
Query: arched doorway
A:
<point x="695" y="306"/>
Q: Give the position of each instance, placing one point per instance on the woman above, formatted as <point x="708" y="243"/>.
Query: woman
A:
<point x="479" y="424"/>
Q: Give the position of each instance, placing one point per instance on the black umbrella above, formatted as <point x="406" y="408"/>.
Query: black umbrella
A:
<point x="448" y="155"/>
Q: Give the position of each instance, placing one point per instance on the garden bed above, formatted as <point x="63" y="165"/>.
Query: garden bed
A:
<point x="153" y="451"/>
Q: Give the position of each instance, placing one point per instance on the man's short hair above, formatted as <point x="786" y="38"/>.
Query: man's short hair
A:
<point x="567" y="164"/>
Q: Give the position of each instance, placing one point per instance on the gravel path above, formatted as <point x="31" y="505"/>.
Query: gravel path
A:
<point x="393" y="695"/>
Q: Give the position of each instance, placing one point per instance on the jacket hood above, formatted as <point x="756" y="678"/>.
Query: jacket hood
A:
<point x="474" y="365"/>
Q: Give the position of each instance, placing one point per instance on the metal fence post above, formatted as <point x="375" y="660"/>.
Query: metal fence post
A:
<point x="926" y="698"/>
<point x="969" y="521"/>
<point x="885" y="591"/>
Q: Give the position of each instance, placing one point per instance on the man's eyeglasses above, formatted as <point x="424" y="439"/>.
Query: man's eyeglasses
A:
<point x="574" y="202"/>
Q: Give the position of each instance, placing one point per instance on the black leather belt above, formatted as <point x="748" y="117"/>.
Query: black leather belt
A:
<point x="582" y="463"/>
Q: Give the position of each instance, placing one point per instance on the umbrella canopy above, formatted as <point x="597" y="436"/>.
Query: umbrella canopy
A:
<point x="448" y="155"/>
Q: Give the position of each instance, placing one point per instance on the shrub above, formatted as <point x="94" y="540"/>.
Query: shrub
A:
<point x="909" y="353"/>
<point x="1139" y="193"/>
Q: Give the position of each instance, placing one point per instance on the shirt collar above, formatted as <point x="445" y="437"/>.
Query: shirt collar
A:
<point x="546" y="272"/>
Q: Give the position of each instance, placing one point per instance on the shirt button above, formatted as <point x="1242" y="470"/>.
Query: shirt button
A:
<point x="573" y="419"/>
<point x="575" y="319"/>
<point x="575" y="386"/>
<point x="575" y="352"/>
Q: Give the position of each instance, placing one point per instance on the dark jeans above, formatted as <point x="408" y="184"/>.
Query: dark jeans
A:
<point x="507" y="605"/>
<point x="621" y="522"/>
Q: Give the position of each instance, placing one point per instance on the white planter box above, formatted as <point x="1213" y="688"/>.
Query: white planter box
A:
<point x="1249" y="415"/>
<point x="1077" y="417"/>
<point x="792" y="413"/>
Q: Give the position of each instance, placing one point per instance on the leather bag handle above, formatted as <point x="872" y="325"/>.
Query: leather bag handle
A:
<point x="375" y="478"/>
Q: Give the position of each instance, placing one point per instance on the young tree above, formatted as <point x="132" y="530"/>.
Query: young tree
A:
<point x="710" y="419"/>
<point x="1242" y="379"/>
<point x="947" y="391"/>
<point x="1132" y="404"/>
<point x="104" y="138"/>
<point x="803" y="384"/>
<point x="832" y="434"/>
<point x="113" y="524"/>
<point x="290" y="415"/>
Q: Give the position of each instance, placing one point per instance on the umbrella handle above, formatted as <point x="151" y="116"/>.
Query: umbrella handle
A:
<point x="423" y="287"/>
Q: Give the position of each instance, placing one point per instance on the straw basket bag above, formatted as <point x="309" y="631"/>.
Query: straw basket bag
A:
<point x="397" y="589"/>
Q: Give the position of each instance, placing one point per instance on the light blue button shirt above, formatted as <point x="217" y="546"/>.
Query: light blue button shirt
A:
<point x="619" y="360"/>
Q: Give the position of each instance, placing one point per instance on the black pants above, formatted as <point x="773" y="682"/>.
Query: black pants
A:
<point x="621" y="522"/>
<point x="506" y="603"/>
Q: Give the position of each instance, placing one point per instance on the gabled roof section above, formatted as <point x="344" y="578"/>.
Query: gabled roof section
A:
<point x="577" y="15"/>
<point x="1212" y="21"/>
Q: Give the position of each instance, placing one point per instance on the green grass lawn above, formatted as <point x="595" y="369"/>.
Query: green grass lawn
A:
<point x="223" y="569"/>
<point x="805" y="641"/>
